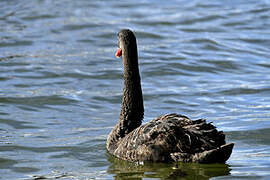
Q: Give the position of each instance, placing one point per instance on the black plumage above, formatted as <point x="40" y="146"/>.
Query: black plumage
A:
<point x="170" y="137"/>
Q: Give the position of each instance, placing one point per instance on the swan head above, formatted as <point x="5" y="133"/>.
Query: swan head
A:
<point x="126" y="42"/>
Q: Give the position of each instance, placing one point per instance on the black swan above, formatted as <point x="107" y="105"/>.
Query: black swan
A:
<point x="170" y="137"/>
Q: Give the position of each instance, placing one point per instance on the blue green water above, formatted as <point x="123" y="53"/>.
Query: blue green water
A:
<point x="61" y="86"/>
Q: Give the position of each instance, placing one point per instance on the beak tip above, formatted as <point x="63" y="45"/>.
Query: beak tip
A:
<point x="118" y="53"/>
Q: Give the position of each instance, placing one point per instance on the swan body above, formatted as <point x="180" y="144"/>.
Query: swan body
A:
<point x="170" y="137"/>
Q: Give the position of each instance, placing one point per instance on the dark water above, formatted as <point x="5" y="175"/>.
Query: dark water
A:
<point x="61" y="86"/>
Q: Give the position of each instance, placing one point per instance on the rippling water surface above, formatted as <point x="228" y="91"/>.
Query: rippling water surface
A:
<point x="61" y="86"/>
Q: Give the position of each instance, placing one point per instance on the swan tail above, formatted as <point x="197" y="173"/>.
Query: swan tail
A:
<point x="217" y="155"/>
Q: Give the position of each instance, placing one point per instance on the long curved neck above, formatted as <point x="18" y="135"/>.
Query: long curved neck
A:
<point x="132" y="101"/>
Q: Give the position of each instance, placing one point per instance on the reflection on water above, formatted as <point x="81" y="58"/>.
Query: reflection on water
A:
<point x="122" y="169"/>
<point x="61" y="87"/>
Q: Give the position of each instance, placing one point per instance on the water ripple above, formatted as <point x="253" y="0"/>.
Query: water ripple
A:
<point x="61" y="86"/>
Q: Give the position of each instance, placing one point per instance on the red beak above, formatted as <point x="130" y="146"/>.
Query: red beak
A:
<point x="118" y="53"/>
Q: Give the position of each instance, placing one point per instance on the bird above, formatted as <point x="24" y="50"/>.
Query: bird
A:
<point x="168" y="138"/>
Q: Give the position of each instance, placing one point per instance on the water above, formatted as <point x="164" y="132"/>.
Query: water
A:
<point x="61" y="85"/>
